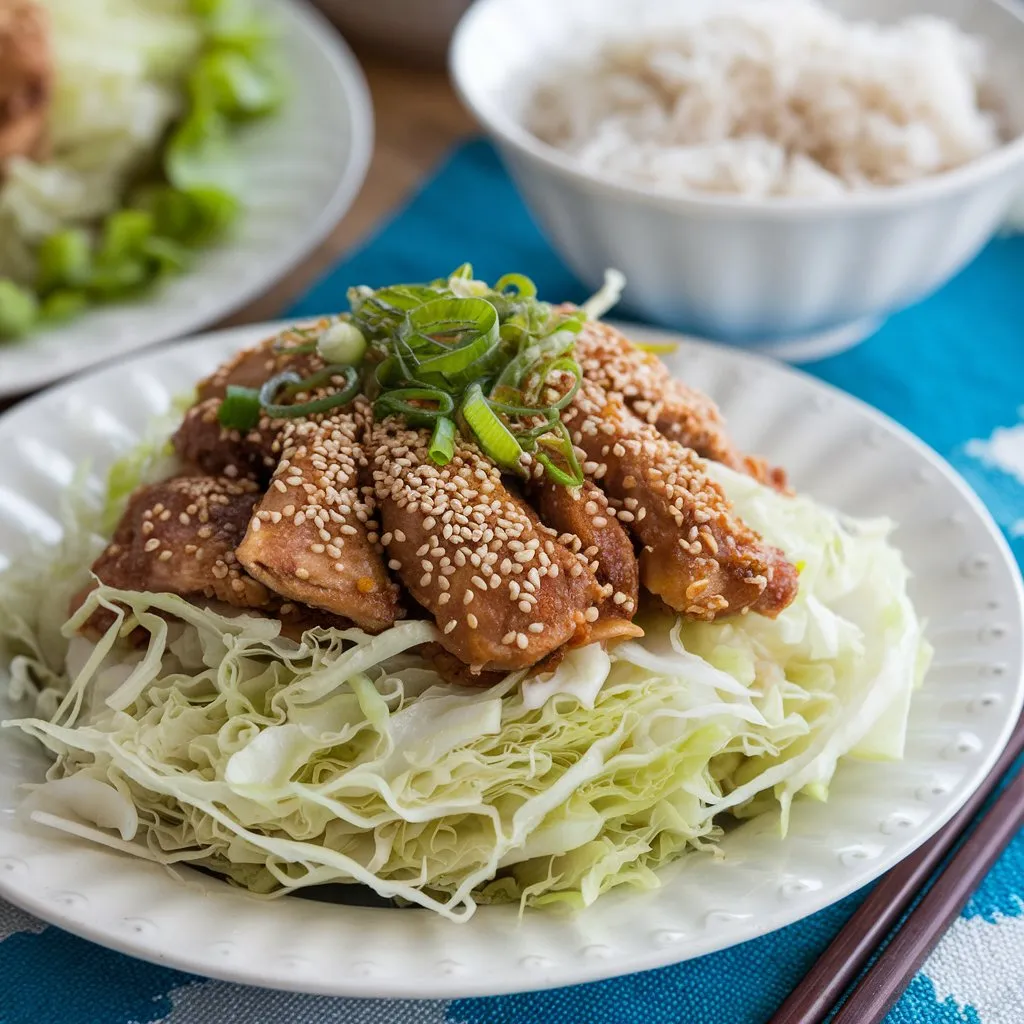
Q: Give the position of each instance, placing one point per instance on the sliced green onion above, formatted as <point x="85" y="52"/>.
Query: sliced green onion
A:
<point x="525" y="288"/>
<point x="496" y="440"/>
<point x="446" y="324"/>
<point x="240" y="409"/>
<point x="548" y="348"/>
<point x="569" y="473"/>
<point x="342" y="342"/>
<point x="564" y="365"/>
<point x="388" y="373"/>
<point x="405" y="402"/>
<point x="290" y="383"/>
<point x="442" y="443"/>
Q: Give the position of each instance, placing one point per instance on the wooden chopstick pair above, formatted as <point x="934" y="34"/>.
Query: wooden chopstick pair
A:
<point x="849" y="953"/>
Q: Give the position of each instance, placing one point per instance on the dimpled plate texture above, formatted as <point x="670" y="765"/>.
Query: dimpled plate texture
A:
<point x="835" y="447"/>
<point x="302" y="169"/>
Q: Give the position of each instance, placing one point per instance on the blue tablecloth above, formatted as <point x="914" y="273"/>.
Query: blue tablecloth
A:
<point x="951" y="369"/>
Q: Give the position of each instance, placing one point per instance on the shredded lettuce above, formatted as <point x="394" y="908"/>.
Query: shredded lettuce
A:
<point x="211" y="739"/>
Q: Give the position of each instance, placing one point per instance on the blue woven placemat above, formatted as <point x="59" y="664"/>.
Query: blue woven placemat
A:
<point x="951" y="369"/>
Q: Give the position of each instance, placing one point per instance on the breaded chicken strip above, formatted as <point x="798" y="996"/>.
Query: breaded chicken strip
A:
<point x="202" y="441"/>
<point x="312" y="537"/>
<point x="587" y="524"/>
<point x="503" y="591"/>
<point x="698" y="556"/>
<point x="253" y="367"/>
<point x="179" y="537"/>
<point x="611" y="361"/>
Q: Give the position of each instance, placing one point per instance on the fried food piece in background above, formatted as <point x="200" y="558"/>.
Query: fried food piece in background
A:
<point x="698" y="556"/>
<point x="503" y="591"/>
<point x="312" y="537"/>
<point x="26" y="79"/>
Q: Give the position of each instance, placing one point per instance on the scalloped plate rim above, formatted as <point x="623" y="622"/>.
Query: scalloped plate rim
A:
<point x="433" y="984"/>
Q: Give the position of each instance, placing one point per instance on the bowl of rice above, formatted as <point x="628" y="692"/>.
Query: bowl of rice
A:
<point x="780" y="174"/>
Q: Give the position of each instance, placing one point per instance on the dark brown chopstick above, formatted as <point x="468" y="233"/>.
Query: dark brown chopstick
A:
<point x="881" y="986"/>
<point x="812" y="1000"/>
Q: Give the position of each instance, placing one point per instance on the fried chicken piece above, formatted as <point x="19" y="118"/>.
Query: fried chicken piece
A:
<point x="698" y="556"/>
<point x="586" y="524"/>
<point x="179" y="537"/>
<point x="26" y="79"/>
<point x="612" y="362"/>
<point x="503" y="591"/>
<point x="312" y="538"/>
<point x="201" y="441"/>
<point x="253" y="367"/>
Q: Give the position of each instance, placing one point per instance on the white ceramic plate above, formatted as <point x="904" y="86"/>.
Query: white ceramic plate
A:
<point x="303" y="168"/>
<point x="966" y="585"/>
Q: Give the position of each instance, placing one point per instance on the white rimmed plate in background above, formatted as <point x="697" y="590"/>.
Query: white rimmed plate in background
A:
<point x="965" y="585"/>
<point x="303" y="168"/>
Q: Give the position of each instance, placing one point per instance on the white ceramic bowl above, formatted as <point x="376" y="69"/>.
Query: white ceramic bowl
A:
<point x="759" y="272"/>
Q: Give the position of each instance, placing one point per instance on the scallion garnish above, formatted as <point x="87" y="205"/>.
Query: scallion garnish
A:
<point x="419" y="407"/>
<point x="240" y="409"/>
<point x="456" y="353"/>
<point x="495" y="439"/>
<point x="442" y="442"/>
<point x="290" y="383"/>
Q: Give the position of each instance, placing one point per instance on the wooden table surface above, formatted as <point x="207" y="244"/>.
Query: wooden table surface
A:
<point x="418" y="119"/>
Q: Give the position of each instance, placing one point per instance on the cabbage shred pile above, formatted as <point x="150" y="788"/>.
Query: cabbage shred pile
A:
<point x="344" y="757"/>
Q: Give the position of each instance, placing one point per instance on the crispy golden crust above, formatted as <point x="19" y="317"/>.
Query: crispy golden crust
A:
<point x="587" y="525"/>
<point x="313" y="538"/>
<point x="26" y="79"/>
<point x="697" y="555"/>
<point x="611" y="361"/>
<point x="179" y="537"/>
<point x="502" y="589"/>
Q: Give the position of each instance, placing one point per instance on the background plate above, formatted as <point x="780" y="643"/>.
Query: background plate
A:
<point x="303" y="168"/>
<point x="835" y="447"/>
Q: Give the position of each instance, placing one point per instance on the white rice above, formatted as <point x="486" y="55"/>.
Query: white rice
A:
<point x="773" y="98"/>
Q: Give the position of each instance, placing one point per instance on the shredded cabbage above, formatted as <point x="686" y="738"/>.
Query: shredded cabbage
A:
<point x="343" y="757"/>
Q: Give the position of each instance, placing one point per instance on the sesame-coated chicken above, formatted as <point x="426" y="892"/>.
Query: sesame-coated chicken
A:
<point x="252" y="367"/>
<point x="202" y="442"/>
<point x="698" y="556"/>
<point x="503" y="591"/>
<point x="611" y="361"/>
<point x="312" y="537"/>
<point x="179" y="537"/>
<point x="331" y="516"/>
<point x="588" y="526"/>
